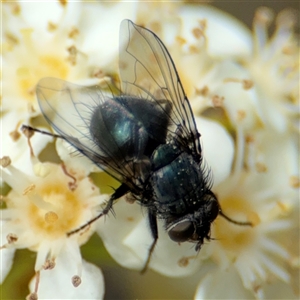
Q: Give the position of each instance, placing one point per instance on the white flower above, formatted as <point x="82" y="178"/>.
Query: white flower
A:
<point x="50" y="39"/>
<point x="260" y="254"/>
<point x="219" y="28"/>
<point x="56" y="283"/>
<point x="42" y="208"/>
<point x="57" y="42"/>
<point x="14" y="145"/>
<point x="274" y="65"/>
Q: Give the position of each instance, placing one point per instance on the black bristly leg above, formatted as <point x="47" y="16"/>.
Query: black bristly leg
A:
<point x="31" y="129"/>
<point x="233" y="221"/>
<point x="119" y="192"/>
<point x="154" y="232"/>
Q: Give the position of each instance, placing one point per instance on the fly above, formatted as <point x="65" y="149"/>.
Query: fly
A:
<point x="145" y="137"/>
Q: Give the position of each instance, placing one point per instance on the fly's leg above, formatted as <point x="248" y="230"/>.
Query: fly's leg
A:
<point x="28" y="130"/>
<point x="154" y="231"/>
<point x="119" y="192"/>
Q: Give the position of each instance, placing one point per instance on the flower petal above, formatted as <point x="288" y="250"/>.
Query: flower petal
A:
<point x="57" y="284"/>
<point x="15" y="144"/>
<point x="169" y="258"/>
<point x="218" y="148"/>
<point x="81" y="164"/>
<point x="7" y="255"/>
<point x="224" y="284"/>
<point x="280" y="290"/>
<point x="103" y="44"/>
<point x="223" y="30"/>
<point x="113" y="231"/>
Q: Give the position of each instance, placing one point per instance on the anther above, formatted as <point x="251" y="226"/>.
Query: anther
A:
<point x="5" y="161"/>
<point x="76" y="280"/>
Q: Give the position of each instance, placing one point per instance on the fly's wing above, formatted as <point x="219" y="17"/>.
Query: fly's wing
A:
<point x="68" y="108"/>
<point x="147" y="70"/>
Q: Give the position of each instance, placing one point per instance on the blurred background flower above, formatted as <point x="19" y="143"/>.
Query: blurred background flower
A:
<point x="241" y="73"/>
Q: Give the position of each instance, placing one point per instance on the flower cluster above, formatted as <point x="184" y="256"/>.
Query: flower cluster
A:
<point x="243" y="87"/>
<point x="44" y="201"/>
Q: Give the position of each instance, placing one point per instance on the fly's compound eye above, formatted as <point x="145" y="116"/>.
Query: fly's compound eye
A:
<point x="181" y="232"/>
<point x="212" y="210"/>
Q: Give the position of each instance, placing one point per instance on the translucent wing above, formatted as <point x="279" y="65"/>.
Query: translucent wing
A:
<point x="147" y="70"/>
<point x="68" y="108"/>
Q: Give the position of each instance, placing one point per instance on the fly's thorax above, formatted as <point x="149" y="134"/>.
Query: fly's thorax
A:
<point x="177" y="180"/>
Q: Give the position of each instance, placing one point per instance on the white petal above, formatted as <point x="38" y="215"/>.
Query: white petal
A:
<point x="102" y="42"/>
<point x="73" y="160"/>
<point x="225" y="80"/>
<point x="226" y="35"/>
<point x="7" y="255"/>
<point x="18" y="151"/>
<point x="222" y="285"/>
<point x="113" y="231"/>
<point x="282" y="161"/>
<point x="56" y="283"/>
<point x="169" y="258"/>
<point x="218" y="148"/>
<point x="280" y="290"/>
<point x="37" y="14"/>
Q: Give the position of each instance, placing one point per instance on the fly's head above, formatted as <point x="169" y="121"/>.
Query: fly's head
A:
<point x="195" y="226"/>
